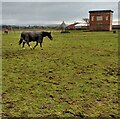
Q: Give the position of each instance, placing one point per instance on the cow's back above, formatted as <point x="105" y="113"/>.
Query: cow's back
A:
<point x="31" y="36"/>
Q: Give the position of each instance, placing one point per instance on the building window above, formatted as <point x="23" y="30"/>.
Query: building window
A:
<point x="92" y="18"/>
<point x="99" y="18"/>
<point x="107" y="17"/>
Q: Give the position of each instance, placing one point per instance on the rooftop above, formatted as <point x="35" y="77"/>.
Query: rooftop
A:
<point x="98" y="11"/>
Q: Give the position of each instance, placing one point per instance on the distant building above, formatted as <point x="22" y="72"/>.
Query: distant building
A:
<point x="77" y="25"/>
<point x="72" y="26"/>
<point x="100" y="20"/>
<point x="115" y="26"/>
<point x="81" y="26"/>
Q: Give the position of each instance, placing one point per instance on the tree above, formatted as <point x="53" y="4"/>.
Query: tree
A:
<point x="86" y="20"/>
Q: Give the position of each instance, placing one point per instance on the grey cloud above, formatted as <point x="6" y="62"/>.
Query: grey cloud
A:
<point x="49" y="12"/>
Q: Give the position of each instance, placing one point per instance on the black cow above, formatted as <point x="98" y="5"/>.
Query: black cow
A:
<point x="27" y="37"/>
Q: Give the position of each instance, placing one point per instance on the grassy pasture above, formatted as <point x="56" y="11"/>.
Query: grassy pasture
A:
<point x="75" y="75"/>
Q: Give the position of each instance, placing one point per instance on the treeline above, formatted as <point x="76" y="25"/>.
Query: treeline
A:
<point x="16" y="27"/>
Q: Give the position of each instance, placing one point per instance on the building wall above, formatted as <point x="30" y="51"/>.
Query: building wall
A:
<point x="100" y="21"/>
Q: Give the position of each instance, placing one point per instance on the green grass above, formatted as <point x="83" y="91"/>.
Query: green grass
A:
<point x="76" y="74"/>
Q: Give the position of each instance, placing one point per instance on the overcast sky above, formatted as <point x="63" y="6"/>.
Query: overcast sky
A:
<point x="37" y="13"/>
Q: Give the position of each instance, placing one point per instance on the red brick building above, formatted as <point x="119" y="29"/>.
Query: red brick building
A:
<point x="100" y="20"/>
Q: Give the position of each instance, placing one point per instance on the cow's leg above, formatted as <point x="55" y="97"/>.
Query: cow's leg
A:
<point x="23" y="45"/>
<point x="29" y="45"/>
<point x="36" y="44"/>
<point x="41" y="44"/>
<point x="41" y="40"/>
<point x="27" y="41"/>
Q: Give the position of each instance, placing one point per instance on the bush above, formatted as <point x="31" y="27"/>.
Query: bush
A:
<point x="65" y="32"/>
<point x="114" y="31"/>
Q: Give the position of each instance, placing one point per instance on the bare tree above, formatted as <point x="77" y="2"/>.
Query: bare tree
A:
<point x="86" y="20"/>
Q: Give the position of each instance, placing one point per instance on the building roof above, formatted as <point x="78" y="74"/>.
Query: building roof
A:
<point x="98" y="11"/>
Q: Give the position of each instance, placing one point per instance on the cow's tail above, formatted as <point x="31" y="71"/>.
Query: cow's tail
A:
<point x="21" y="39"/>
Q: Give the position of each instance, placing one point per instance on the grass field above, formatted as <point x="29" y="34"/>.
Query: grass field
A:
<point x="75" y="75"/>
